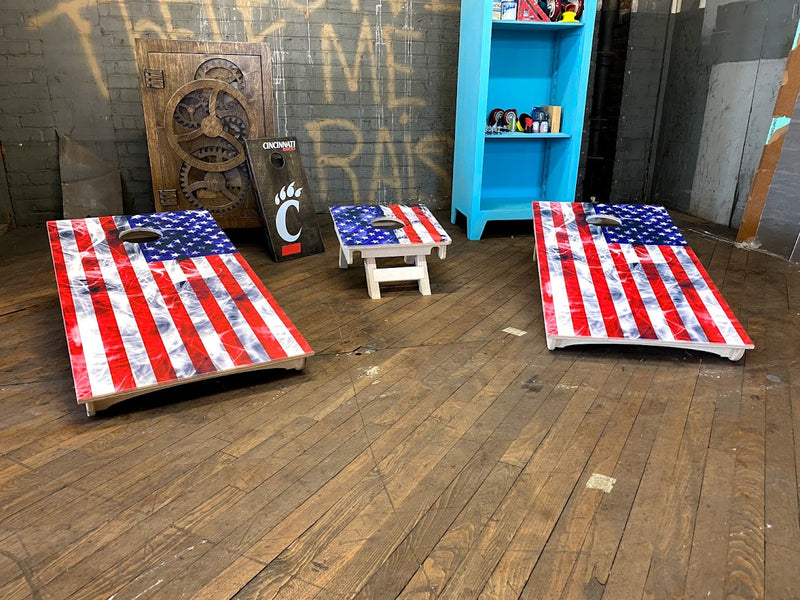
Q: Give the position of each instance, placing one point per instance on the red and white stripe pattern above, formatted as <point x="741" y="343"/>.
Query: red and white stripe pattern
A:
<point x="420" y="228"/>
<point x="136" y="320"/>
<point x="638" y="281"/>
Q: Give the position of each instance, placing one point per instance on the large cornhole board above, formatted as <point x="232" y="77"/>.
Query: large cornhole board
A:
<point x="145" y="315"/>
<point x="284" y="199"/>
<point x="624" y="274"/>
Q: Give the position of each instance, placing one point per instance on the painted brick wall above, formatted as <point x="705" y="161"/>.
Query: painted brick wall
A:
<point x="367" y="88"/>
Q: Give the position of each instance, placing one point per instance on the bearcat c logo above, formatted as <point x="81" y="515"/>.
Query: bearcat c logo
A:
<point x="285" y="199"/>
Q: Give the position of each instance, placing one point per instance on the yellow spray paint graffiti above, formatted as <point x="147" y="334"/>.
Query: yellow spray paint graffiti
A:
<point x="378" y="61"/>
<point x="394" y="67"/>
<point x="433" y="151"/>
<point x="315" y="131"/>
<point x="364" y="46"/>
<point x="73" y="10"/>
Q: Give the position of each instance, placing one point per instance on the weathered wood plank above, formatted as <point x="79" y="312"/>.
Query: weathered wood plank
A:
<point x="744" y="576"/>
<point x="422" y="452"/>
<point x="553" y="570"/>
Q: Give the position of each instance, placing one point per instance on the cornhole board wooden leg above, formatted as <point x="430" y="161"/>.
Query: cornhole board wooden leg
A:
<point x="414" y="257"/>
<point x="345" y="258"/>
<point x="417" y="272"/>
<point x="297" y="364"/>
<point x="424" y="281"/>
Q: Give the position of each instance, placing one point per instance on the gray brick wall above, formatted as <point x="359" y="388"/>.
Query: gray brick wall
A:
<point x="368" y="89"/>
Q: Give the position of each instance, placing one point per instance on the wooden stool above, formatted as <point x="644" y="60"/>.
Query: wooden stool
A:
<point x="410" y="232"/>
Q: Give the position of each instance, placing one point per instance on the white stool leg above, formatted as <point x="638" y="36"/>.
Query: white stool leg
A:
<point x="342" y="259"/>
<point x="373" y="288"/>
<point x="424" y="280"/>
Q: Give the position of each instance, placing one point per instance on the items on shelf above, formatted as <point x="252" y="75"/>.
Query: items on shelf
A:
<point x="508" y="10"/>
<point x="537" y="10"/>
<point x="497" y="10"/>
<point x="554" y="115"/>
<point x="542" y="119"/>
<point x="517" y="64"/>
<point x="529" y="10"/>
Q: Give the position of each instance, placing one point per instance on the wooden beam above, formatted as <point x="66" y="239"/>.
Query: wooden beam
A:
<point x="781" y="117"/>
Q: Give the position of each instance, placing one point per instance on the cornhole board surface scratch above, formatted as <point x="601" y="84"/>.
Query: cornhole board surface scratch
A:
<point x="384" y="231"/>
<point x="632" y="279"/>
<point x="146" y="315"/>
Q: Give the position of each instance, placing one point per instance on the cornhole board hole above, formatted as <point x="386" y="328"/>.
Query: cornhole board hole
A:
<point x="392" y="231"/>
<point x="153" y="301"/>
<point x="284" y="200"/>
<point x="624" y="274"/>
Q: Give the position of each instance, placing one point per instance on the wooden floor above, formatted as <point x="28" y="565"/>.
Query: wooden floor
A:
<point x="422" y="453"/>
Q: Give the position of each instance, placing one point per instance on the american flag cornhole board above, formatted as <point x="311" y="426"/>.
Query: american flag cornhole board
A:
<point x="384" y="231"/>
<point x="624" y="274"/>
<point x="142" y="316"/>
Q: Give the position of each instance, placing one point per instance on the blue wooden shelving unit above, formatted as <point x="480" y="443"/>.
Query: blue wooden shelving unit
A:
<point x="514" y="64"/>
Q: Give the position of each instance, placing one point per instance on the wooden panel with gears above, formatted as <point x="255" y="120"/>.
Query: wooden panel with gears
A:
<point x="201" y="101"/>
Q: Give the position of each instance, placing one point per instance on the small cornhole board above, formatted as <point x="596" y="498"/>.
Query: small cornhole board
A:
<point x="624" y="274"/>
<point x="389" y="231"/>
<point x="284" y="198"/>
<point x="153" y="301"/>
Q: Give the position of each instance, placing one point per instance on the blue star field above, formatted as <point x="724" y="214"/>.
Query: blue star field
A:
<point x="641" y="225"/>
<point x="184" y="234"/>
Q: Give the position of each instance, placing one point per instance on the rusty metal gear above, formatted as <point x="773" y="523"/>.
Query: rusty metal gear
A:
<point x="215" y="191"/>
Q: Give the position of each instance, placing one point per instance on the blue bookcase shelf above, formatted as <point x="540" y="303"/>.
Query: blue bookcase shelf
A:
<point x="527" y="136"/>
<point x="534" y="25"/>
<point x="514" y="64"/>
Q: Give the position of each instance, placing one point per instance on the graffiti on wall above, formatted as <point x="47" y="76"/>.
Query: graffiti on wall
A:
<point x="375" y="66"/>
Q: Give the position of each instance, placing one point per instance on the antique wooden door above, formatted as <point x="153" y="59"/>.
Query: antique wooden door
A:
<point x="202" y="100"/>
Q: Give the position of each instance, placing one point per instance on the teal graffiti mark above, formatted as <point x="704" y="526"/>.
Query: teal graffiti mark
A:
<point x="777" y="123"/>
<point x="796" y="37"/>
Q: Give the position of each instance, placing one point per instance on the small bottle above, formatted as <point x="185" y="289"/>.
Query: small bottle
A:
<point x="537" y="114"/>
